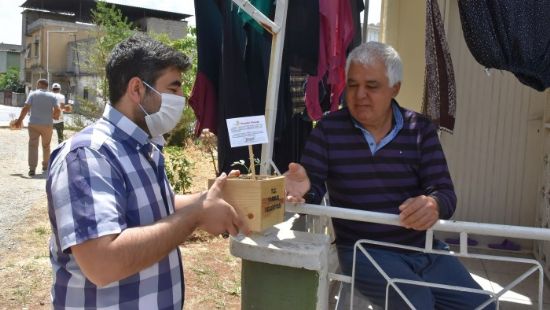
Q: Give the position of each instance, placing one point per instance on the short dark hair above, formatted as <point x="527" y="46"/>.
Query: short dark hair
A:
<point x="42" y="82"/>
<point x="143" y="57"/>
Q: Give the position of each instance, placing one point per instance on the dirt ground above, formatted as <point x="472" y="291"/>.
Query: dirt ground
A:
<point x="212" y="274"/>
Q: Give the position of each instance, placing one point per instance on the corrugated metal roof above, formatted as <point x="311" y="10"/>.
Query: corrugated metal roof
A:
<point x="82" y="9"/>
<point x="5" y="47"/>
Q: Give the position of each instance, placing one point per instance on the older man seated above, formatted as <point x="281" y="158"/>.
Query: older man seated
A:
<point x="378" y="156"/>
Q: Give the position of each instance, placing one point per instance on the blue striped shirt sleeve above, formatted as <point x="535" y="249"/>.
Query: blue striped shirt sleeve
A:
<point x="434" y="174"/>
<point x="315" y="161"/>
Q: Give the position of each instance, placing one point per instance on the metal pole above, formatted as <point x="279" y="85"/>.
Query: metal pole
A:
<point x="272" y="95"/>
<point x="48" y="56"/>
<point x="365" y="22"/>
<point x="258" y="16"/>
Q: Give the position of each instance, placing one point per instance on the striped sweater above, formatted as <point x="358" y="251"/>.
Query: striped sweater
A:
<point x="337" y="158"/>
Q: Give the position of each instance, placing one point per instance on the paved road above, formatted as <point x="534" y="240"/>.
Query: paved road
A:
<point x="7" y="113"/>
<point x="18" y="192"/>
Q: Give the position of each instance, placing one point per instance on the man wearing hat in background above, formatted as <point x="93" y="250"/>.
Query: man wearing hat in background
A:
<point x="44" y="109"/>
<point x="58" y="124"/>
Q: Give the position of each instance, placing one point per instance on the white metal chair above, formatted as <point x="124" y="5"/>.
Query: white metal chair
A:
<point x="320" y="223"/>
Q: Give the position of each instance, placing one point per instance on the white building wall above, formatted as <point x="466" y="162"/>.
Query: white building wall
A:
<point x="174" y="29"/>
<point x="3" y="61"/>
<point x="373" y="32"/>
<point x="542" y="249"/>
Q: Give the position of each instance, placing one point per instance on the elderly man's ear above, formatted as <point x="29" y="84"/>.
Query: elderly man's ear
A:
<point x="396" y="89"/>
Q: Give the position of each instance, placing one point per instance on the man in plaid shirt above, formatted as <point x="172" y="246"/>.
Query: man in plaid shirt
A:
<point x="116" y="222"/>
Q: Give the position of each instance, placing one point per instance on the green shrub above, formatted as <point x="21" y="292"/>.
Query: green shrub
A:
<point x="9" y="81"/>
<point x="84" y="113"/>
<point x="88" y="109"/>
<point x="184" y="130"/>
<point x="178" y="169"/>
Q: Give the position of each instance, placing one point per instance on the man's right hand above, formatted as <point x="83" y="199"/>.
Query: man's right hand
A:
<point x="18" y="124"/>
<point x="218" y="216"/>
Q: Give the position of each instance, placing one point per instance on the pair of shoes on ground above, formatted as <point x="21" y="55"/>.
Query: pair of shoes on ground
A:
<point x="32" y="172"/>
<point x="505" y="245"/>
<point x="471" y="242"/>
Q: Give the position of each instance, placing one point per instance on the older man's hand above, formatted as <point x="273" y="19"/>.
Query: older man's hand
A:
<point x="419" y="213"/>
<point x="296" y="183"/>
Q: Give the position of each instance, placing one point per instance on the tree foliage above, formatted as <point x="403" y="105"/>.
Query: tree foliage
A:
<point x="184" y="131"/>
<point x="112" y="28"/>
<point x="188" y="46"/>
<point x="178" y="169"/>
<point x="9" y="81"/>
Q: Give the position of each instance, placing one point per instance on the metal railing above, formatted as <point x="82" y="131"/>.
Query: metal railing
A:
<point x="463" y="228"/>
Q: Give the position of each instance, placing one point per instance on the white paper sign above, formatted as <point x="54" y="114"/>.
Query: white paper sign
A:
<point x="248" y="130"/>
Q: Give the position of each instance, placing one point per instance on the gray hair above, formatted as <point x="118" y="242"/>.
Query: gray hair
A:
<point x="370" y="52"/>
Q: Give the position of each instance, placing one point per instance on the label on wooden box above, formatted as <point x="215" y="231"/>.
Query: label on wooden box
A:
<point x="273" y="202"/>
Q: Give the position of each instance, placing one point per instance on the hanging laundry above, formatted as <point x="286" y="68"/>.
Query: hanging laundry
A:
<point x="301" y="52"/>
<point x="510" y="35"/>
<point x="439" y="102"/>
<point x="234" y="94"/>
<point x="243" y="61"/>
<point x="257" y="53"/>
<point x="300" y="57"/>
<point x="297" y="86"/>
<point x="336" y="33"/>
<point x="264" y="6"/>
<point x="356" y="6"/>
<point x="204" y="96"/>
<point x="290" y="147"/>
<point x="302" y="36"/>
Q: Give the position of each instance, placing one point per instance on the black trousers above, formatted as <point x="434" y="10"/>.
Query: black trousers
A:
<point x="59" y="129"/>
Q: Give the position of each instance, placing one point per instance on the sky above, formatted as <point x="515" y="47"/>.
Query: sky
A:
<point x="10" y="14"/>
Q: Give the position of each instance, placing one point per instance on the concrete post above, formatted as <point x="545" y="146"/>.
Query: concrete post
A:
<point x="283" y="269"/>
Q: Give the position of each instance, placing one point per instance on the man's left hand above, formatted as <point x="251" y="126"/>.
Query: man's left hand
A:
<point x="419" y="213"/>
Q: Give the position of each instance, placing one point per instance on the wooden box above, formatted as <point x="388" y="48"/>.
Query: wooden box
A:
<point x="262" y="201"/>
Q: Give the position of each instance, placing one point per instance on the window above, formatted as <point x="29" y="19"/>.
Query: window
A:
<point x="28" y="51"/>
<point x="36" y="48"/>
<point x="85" y="93"/>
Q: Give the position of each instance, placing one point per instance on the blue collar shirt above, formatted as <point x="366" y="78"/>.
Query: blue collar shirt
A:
<point x="398" y="125"/>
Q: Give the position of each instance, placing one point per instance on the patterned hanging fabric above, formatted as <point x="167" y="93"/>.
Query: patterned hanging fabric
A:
<point x="204" y="96"/>
<point x="336" y="33"/>
<point x="439" y="102"/>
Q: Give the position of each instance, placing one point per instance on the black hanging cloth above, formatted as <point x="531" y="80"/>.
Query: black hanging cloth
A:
<point x="512" y="35"/>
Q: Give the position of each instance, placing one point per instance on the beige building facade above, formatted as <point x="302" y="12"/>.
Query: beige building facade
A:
<point x="57" y="36"/>
<point x="48" y="53"/>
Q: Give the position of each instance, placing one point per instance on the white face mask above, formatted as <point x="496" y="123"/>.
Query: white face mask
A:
<point x="167" y="117"/>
